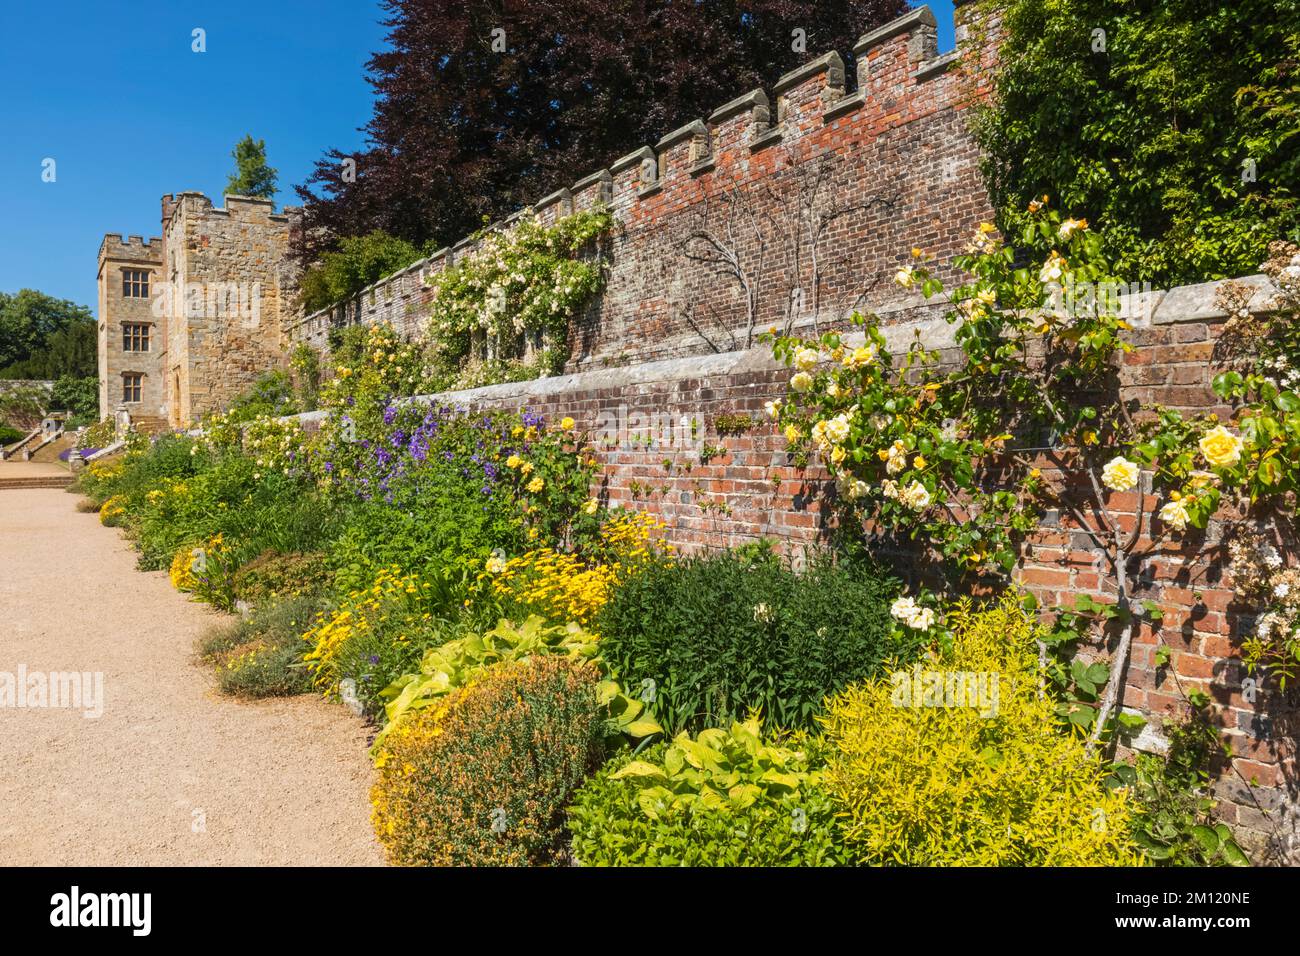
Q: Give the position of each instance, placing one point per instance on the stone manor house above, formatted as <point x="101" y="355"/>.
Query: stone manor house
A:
<point x="188" y="320"/>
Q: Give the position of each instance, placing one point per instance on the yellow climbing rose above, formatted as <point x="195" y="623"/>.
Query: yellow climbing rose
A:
<point x="1221" y="448"/>
<point x="1120" y="474"/>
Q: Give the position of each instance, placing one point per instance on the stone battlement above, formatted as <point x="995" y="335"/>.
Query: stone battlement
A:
<point x="130" y="248"/>
<point x="893" y="159"/>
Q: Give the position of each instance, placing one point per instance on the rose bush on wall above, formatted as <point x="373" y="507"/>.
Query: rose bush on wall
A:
<point x="947" y="454"/>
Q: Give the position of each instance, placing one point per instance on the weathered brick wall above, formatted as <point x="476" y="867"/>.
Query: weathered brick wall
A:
<point x="654" y="426"/>
<point x="819" y="190"/>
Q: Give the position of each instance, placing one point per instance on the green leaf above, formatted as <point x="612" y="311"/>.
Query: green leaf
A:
<point x="637" y="768"/>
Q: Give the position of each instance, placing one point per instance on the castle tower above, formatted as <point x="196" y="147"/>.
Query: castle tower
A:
<point x="132" y="337"/>
<point x="189" y="321"/>
<point x="223" y="270"/>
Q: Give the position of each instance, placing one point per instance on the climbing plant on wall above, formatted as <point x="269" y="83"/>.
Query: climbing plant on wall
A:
<point x="963" y="457"/>
<point x="501" y="311"/>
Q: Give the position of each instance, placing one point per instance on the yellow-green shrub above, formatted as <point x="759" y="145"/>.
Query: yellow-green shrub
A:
<point x="993" y="785"/>
<point x="483" y="777"/>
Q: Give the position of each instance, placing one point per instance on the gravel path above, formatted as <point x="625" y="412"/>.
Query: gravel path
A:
<point x="172" y="772"/>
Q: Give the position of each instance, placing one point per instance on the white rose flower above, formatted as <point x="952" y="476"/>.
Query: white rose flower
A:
<point x="801" y="382"/>
<point x="903" y="609"/>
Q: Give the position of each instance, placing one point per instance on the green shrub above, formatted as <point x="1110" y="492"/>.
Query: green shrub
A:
<point x="728" y="798"/>
<point x="1152" y="135"/>
<point x="358" y="262"/>
<point x="272" y="574"/>
<point x="713" y="638"/>
<point x="1173" y="822"/>
<point x="447" y="667"/>
<point x="9" y="435"/>
<point x="261" y="655"/>
<point x="483" y="778"/>
<point x="960" y="761"/>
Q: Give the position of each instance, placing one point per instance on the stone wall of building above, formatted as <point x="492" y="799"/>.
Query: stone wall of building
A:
<point x="816" y="190"/>
<point x="228" y="296"/>
<point x="118" y="311"/>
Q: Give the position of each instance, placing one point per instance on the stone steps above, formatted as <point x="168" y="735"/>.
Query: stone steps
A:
<point x="35" y="481"/>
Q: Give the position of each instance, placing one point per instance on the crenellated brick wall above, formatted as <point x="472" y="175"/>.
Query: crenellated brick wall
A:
<point x="818" y="189"/>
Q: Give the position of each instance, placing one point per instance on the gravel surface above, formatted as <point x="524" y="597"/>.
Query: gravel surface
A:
<point x="172" y="772"/>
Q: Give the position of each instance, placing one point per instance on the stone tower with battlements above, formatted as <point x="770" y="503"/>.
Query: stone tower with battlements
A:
<point x="190" y="320"/>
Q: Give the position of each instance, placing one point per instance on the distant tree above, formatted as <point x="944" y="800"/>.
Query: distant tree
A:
<point x="72" y="351"/>
<point x="78" y="395"/>
<point x="252" y="176"/>
<point x="358" y="262"/>
<point x="30" y="319"/>
<point x="483" y="106"/>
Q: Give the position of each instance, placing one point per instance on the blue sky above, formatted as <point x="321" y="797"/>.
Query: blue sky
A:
<point x="112" y="92"/>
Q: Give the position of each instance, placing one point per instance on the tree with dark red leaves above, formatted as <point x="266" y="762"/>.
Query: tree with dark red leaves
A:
<point x="485" y="106"/>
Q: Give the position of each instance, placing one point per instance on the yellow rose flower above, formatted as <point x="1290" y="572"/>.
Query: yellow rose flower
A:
<point x="567" y="423"/>
<point x="1120" y="474"/>
<point x="1174" y="514"/>
<point x="1221" y="448"/>
<point x="792" y="434"/>
<point x="536" y="485"/>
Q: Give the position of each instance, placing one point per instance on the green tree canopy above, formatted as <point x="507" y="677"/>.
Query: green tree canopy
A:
<point x="1172" y="124"/>
<point x="43" y="337"/>
<point x="252" y="175"/>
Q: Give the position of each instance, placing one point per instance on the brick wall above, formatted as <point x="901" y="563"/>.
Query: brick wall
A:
<point x="819" y="188"/>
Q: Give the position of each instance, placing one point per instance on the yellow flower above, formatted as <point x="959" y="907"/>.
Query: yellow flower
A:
<point x="1120" y="474"/>
<point x="904" y="277"/>
<point x="1221" y="448"/>
<point x="514" y="461"/>
<point x="526" y="468"/>
<point x="919" y="462"/>
<point x="536" y="485"/>
<point x="860" y="356"/>
<point x="1174" y="514"/>
<point x="801" y="382"/>
<point x="806" y="359"/>
<point x="591" y="506"/>
<point x="567" y="423"/>
<point x="792" y="434"/>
